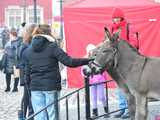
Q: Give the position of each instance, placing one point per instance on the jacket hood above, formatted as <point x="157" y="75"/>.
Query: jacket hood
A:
<point x="40" y="42"/>
<point x="118" y="13"/>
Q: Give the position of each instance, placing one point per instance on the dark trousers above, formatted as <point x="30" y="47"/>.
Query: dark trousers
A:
<point x="16" y="81"/>
<point x="8" y="80"/>
<point x="26" y="102"/>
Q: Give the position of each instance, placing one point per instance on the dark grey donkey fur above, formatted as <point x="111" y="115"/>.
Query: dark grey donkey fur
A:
<point x="137" y="75"/>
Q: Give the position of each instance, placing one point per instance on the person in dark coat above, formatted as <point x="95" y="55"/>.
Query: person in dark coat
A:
<point x="26" y="99"/>
<point x="11" y="60"/>
<point x="42" y="71"/>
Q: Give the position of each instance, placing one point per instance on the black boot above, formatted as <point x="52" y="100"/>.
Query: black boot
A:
<point x="106" y="111"/>
<point x="7" y="89"/>
<point x="121" y="112"/>
<point x="8" y="82"/>
<point x="95" y="112"/>
<point x="15" y="89"/>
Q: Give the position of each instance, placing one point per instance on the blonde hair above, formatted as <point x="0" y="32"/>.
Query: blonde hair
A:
<point x="29" y="30"/>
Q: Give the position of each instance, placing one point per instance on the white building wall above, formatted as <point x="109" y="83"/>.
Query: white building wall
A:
<point x="56" y="7"/>
<point x="56" y="11"/>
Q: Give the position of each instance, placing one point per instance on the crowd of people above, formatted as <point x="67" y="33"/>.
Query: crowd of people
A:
<point x="32" y="56"/>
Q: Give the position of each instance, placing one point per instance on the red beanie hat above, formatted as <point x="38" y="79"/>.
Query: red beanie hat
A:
<point x="117" y="13"/>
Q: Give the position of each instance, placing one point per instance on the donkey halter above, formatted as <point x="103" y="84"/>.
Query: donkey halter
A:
<point x="100" y="66"/>
<point x="96" y="64"/>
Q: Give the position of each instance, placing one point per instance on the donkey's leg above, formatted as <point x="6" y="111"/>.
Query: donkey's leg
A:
<point x="141" y="107"/>
<point x="131" y="106"/>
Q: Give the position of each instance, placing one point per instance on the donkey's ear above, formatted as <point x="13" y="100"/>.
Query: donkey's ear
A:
<point x="115" y="37"/>
<point x="106" y="29"/>
<point x="107" y="34"/>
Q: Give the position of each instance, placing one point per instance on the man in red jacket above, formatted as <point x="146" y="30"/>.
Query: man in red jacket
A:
<point x="126" y="33"/>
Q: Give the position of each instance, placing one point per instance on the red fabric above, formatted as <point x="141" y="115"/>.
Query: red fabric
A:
<point x="133" y="37"/>
<point x="117" y="13"/>
<point x="110" y="3"/>
<point x="84" y="24"/>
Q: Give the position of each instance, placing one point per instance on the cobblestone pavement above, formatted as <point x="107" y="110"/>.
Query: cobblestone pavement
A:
<point x="10" y="102"/>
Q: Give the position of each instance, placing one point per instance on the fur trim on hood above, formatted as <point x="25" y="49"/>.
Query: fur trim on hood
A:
<point x="48" y="37"/>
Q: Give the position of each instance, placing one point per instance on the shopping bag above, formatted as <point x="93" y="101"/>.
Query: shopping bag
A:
<point x="16" y="72"/>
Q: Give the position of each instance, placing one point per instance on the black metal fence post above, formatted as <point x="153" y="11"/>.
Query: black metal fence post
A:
<point x="87" y="98"/>
<point x="107" y="105"/>
<point x="35" y="10"/>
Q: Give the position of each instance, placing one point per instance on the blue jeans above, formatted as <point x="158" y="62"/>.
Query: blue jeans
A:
<point x="121" y="99"/>
<point x="40" y="99"/>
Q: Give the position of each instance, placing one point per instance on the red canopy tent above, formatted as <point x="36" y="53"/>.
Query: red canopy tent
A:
<point x="84" y="22"/>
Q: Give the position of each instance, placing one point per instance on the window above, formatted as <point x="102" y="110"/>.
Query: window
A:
<point x="31" y="15"/>
<point x="14" y="15"/>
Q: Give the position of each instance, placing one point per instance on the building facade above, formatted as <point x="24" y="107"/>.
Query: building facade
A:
<point x="14" y="12"/>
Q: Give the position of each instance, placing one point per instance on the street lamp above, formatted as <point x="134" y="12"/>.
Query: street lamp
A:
<point x="35" y="10"/>
<point x="24" y="10"/>
<point x="61" y="15"/>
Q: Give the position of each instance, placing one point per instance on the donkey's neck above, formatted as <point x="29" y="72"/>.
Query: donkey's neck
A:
<point x="127" y="56"/>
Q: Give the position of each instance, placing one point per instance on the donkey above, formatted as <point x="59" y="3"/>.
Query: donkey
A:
<point x="132" y="72"/>
<point x="113" y="72"/>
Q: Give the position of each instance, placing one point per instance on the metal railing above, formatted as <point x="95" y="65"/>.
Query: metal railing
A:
<point x="87" y="102"/>
<point x="62" y="98"/>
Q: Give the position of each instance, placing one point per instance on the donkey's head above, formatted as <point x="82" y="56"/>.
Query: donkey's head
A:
<point x="106" y="54"/>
